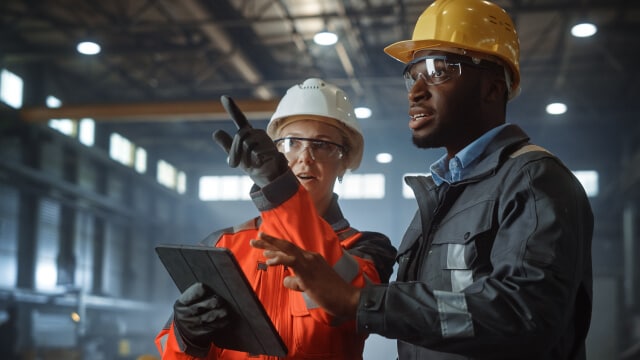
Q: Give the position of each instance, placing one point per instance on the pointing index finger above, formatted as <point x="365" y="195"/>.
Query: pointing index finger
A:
<point x="236" y="114"/>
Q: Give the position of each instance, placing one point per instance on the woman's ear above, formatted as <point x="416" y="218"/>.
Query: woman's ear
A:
<point x="342" y="171"/>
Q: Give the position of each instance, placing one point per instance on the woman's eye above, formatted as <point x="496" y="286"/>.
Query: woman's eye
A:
<point x="318" y="145"/>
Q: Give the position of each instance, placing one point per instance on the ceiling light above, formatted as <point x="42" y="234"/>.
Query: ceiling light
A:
<point x="53" y="102"/>
<point x="325" y="38"/>
<point x="362" y="112"/>
<point x="384" y="158"/>
<point x="556" y="108"/>
<point x="583" y="30"/>
<point x="88" y="48"/>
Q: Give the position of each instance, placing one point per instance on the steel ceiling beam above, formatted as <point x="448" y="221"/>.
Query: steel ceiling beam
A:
<point x="151" y="112"/>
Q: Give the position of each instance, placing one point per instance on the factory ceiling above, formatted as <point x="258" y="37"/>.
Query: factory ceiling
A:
<point x="164" y="65"/>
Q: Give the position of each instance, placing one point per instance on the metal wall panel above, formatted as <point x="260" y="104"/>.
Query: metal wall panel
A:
<point x="51" y="159"/>
<point x="87" y="174"/>
<point x="53" y="329"/>
<point x="8" y="236"/>
<point x="114" y="264"/>
<point x="47" y="244"/>
<point x="83" y="251"/>
<point x="603" y="340"/>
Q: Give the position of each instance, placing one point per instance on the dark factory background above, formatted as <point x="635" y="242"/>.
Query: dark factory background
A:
<point x="107" y="153"/>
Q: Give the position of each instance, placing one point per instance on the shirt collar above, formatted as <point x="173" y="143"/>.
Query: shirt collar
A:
<point x="463" y="162"/>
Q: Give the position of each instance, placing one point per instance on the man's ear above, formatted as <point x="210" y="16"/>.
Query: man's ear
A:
<point x="495" y="88"/>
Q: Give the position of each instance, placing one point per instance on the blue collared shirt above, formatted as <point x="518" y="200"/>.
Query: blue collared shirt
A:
<point x="459" y="167"/>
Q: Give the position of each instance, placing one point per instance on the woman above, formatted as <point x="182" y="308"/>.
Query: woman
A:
<point x="315" y="128"/>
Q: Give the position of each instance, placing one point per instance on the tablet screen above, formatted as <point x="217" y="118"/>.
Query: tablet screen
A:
<point x="250" y="329"/>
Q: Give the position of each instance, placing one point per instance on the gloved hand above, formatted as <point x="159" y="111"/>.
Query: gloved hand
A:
<point x="197" y="315"/>
<point x="251" y="149"/>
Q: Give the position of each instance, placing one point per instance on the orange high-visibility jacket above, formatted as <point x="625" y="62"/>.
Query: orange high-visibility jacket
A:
<point x="287" y="212"/>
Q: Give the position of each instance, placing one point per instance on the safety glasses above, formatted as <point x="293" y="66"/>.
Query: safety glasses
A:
<point x="436" y="69"/>
<point x="320" y="150"/>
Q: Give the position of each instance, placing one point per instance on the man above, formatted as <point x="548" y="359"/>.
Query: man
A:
<point x="496" y="263"/>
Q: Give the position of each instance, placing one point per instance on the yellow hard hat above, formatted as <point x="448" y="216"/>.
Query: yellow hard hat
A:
<point x="474" y="25"/>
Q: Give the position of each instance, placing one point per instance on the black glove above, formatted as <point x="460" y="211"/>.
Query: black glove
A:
<point x="197" y="315"/>
<point x="251" y="149"/>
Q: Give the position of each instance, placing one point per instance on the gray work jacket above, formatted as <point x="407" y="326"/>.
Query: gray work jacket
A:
<point x="497" y="266"/>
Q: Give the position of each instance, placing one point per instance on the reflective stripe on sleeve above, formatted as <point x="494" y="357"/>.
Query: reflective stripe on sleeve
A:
<point x="347" y="267"/>
<point x="163" y="342"/>
<point x="455" y="319"/>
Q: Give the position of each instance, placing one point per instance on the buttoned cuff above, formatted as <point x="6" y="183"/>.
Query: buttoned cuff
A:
<point x="370" y="313"/>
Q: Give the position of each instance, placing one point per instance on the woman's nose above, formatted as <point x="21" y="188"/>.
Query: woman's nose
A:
<point x="306" y="154"/>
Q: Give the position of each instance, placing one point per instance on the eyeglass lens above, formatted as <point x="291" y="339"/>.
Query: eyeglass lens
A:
<point x="320" y="150"/>
<point x="432" y="69"/>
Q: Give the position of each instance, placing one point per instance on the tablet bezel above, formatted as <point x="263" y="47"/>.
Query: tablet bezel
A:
<point x="251" y="329"/>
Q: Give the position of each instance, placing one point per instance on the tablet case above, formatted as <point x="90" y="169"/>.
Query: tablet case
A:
<point x="250" y="329"/>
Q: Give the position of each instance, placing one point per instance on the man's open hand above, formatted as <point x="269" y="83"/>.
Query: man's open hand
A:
<point x="313" y="275"/>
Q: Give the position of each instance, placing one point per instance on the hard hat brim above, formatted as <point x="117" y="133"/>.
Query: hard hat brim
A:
<point x="403" y="51"/>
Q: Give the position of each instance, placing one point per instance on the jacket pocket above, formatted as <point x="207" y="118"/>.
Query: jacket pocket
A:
<point x="315" y="340"/>
<point x="461" y="245"/>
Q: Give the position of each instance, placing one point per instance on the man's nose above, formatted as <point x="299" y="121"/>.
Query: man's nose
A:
<point x="419" y="90"/>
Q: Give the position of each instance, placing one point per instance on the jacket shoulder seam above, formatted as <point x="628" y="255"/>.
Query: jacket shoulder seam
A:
<point x="529" y="148"/>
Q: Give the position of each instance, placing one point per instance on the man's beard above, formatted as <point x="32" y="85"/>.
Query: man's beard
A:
<point x="425" y="142"/>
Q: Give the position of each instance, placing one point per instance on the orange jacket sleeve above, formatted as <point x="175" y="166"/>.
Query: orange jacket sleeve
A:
<point x="295" y="218"/>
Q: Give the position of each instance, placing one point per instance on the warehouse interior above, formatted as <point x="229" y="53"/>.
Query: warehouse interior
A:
<point x="106" y="155"/>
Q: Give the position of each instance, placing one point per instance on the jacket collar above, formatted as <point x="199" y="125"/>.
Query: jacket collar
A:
<point x="503" y="144"/>
<point x="334" y="216"/>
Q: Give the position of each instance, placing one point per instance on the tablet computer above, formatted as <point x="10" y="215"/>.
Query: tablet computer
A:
<point x="250" y="329"/>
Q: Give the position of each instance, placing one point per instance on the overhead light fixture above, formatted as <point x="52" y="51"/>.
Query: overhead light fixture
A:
<point x="362" y="112"/>
<point x="584" y="30"/>
<point x="556" y="108"/>
<point x="325" y="38"/>
<point x="384" y="158"/>
<point x="88" y="48"/>
<point x="53" y="102"/>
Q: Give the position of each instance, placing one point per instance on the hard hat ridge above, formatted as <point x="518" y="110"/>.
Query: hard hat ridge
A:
<point x="318" y="100"/>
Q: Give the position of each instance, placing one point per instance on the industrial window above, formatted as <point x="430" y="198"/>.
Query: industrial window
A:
<point x="65" y="126"/>
<point x="171" y="177"/>
<point x="228" y="188"/>
<point x="11" y="86"/>
<point x="589" y="181"/>
<point x="83" y="129"/>
<point x="361" y="186"/>
<point x="235" y="188"/>
<point x="86" y="131"/>
<point x="140" y="162"/>
<point x="407" y="193"/>
<point x="121" y="149"/>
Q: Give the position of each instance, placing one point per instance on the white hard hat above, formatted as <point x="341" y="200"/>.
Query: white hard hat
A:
<point x="317" y="100"/>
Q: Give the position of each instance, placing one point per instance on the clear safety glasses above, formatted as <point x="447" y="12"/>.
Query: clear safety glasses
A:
<point x="320" y="150"/>
<point x="436" y="69"/>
